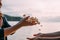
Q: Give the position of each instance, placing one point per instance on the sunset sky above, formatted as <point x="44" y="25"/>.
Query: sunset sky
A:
<point x="44" y="9"/>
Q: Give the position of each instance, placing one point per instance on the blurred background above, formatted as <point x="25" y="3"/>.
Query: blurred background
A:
<point x="47" y="11"/>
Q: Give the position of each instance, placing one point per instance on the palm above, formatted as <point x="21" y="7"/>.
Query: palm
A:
<point x="29" y="21"/>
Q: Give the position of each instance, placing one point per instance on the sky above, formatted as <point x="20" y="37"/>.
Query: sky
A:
<point x="46" y="10"/>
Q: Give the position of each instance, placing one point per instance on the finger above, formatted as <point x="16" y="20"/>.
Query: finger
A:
<point x="37" y="20"/>
<point x="25" y="18"/>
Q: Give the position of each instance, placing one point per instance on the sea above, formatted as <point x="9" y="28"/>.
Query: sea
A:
<point x="28" y="31"/>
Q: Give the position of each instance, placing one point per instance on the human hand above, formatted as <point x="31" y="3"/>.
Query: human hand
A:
<point x="28" y="21"/>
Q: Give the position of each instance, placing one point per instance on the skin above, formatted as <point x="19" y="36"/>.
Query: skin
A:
<point x="22" y="23"/>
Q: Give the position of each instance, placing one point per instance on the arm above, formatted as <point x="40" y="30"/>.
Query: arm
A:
<point x="22" y="23"/>
<point x="9" y="30"/>
<point x="6" y="24"/>
<point x="54" y="34"/>
<point x="46" y="36"/>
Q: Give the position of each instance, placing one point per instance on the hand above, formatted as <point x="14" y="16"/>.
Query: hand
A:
<point x="28" y="21"/>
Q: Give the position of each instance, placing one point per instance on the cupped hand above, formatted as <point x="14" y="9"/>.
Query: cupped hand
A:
<point x="29" y="21"/>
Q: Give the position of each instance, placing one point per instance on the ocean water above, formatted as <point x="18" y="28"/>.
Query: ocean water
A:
<point x="28" y="31"/>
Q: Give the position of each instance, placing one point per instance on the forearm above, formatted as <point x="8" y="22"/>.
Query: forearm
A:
<point x="53" y="34"/>
<point x="8" y="31"/>
<point x="47" y="36"/>
<point x="23" y="22"/>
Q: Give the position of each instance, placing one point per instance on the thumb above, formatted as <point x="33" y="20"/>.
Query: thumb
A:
<point x="25" y="18"/>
